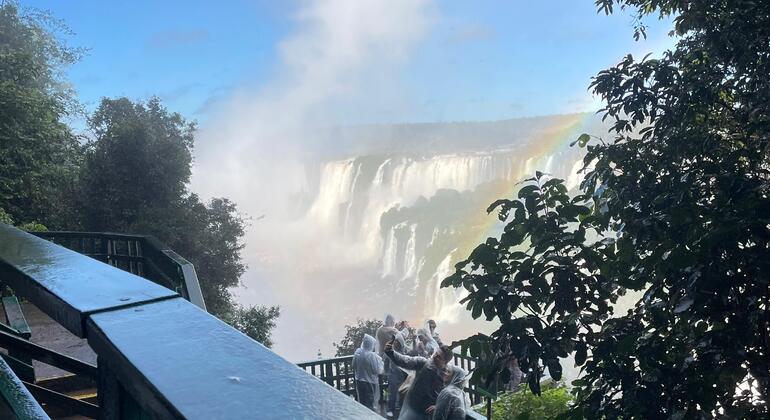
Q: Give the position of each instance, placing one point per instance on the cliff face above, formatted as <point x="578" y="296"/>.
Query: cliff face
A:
<point x="414" y="217"/>
<point x="377" y="232"/>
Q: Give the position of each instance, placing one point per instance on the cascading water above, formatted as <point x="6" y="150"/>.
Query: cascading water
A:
<point x="381" y="230"/>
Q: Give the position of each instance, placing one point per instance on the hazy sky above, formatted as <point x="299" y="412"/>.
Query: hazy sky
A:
<point x="474" y="60"/>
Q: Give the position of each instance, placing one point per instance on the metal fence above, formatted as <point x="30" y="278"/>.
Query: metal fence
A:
<point x="158" y="355"/>
<point x="338" y="372"/>
<point x="142" y="255"/>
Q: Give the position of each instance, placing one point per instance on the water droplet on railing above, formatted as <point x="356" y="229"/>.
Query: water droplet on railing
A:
<point x="234" y="379"/>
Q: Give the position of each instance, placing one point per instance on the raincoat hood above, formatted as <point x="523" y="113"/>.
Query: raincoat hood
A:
<point x="369" y="343"/>
<point x="430" y="344"/>
<point x="458" y="376"/>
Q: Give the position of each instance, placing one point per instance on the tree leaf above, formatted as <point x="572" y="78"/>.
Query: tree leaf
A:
<point x="683" y="305"/>
<point x="583" y="139"/>
<point x="581" y="353"/>
<point x="554" y="369"/>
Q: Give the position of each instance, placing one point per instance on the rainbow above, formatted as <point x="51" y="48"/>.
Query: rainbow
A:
<point x="545" y="145"/>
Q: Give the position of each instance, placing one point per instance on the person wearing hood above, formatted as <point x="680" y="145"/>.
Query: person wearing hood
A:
<point x="451" y="403"/>
<point x="385" y="333"/>
<point x="420" y="401"/>
<point x="426" y="345"/>
<point x="367" y="366"/>
<point x="430" y="326"/>
<point x="396" y="376"/>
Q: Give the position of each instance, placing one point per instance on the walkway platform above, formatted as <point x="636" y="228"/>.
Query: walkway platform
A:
<point x="48" y="333"/>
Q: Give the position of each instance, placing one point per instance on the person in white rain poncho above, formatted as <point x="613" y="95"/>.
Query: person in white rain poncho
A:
<point x="430" y="326"/>
<point x="451" y="403"/>
<point x="385" y="332"/>
<point x="367" y="366"/>
<point x="426" y="345"/>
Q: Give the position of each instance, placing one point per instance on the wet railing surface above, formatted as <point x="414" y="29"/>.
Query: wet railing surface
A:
<point x="15" y="399"/>
<point x="142" y="255"/>
<point x="158" y="354"/>
<point x="338" y="373"/>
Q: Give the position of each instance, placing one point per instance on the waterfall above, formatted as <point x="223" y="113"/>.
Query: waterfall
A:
<point x="378" y="231"/>
<point x="407" y="213"/>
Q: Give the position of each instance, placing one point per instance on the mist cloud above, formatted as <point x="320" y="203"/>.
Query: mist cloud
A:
<point x="342" y="65"/>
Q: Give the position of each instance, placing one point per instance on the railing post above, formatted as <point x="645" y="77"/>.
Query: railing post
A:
<point x="109" y="391"/>
<point x="114" y="401"/>
<point x="328" y="374"/>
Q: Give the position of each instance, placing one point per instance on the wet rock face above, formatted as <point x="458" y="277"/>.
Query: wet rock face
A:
<point x="411" y="218"/>
<point x="377" y="232"/>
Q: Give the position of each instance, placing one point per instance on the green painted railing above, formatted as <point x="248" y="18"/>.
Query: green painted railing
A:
<point x="15" y="399"/>
<point x="158" y="355"/>
<point x="142" y="255"/>
<point x="338" y="373"/>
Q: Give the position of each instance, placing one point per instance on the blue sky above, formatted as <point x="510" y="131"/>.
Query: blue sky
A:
<point x="478" y="60"/>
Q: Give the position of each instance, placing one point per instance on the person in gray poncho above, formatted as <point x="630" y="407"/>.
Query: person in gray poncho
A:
<point x="426" y="345"/>
<point x="367" y="366"/>
<point x="451" y="403"/>
<point x="396" y="376"/>
<point x="428" y="381"/>
<point x="385" y="333"/>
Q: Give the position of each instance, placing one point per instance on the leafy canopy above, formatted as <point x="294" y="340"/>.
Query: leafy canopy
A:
<point x="39" y="154"/>
<point x="134" y="179"/>
<point x="132" y="176"/>
<point x="674" y="207"/>
<point x="354" y="335"/>
<point x="255" y="321"/>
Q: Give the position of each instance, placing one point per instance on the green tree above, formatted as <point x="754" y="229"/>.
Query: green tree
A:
<point x="674" y="207"/>
<point x="136" y="171"/>
<point x="135" y="179"/>
<point x="354" y="335"/>
<point x="39" y="155"/>
<point x="255" y="321"/>
<point x="211" y="234"/>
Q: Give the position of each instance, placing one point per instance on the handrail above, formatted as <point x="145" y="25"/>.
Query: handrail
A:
<point x="66" y="285"/>
<point x="157" y="354"/>
<point x="336" y="372"/>
<point x="145" y="256"/>
<point x="319" y="361"/>
<point x="18" y="397"/>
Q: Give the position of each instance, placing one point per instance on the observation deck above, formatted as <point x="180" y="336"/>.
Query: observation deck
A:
<point x="114" y="326"/>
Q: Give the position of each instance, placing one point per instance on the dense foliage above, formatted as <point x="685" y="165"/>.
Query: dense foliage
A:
<point x="674" y="207"/>
<point x="39" y="154"/>
<point x="145" y="152"/>
<point x="354" y="335"/>
<point x="255" y="321"/>
<point x="132" y="175"/>
<point x="553" y="401"/>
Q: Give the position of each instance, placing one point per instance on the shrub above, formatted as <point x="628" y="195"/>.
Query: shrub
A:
<point x="523" y="405"/>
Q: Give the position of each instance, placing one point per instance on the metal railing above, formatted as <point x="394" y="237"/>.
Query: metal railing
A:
<point x="17" y="401"/>
<point x="338" y="373"/>
<point x="142" y="255"/>
<point x="158" y="355"/>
